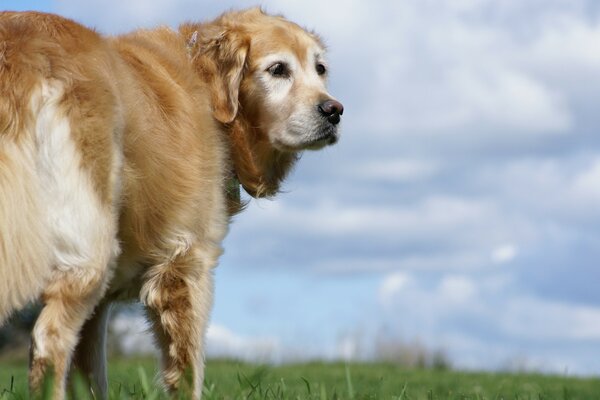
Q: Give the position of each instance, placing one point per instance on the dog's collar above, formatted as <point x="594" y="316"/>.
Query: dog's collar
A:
<point x="232" y="189"/>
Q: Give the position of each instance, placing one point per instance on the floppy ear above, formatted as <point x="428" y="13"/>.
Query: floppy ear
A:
<point x="221" y="60"/>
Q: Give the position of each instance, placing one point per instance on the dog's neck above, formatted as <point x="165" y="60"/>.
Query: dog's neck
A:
<point x="258" y="166"/>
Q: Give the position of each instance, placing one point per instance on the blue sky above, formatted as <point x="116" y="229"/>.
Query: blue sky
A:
<point x="460" y="208"/>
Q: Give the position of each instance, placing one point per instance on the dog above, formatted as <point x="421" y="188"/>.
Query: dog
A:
<point x="121" y="162"/>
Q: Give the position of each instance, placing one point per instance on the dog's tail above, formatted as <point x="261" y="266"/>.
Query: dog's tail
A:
<point x="24" y="261"/>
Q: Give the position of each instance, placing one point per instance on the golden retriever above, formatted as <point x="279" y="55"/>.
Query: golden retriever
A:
<point x="121" y="160"/>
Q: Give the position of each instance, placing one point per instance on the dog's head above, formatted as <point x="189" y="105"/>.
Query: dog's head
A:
<point x="267" y="78"/>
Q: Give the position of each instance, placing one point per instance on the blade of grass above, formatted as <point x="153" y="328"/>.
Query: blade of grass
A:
<point x="403" y="392"/>
<point x="349" y="383"/>
<point x="307" y="383"/>
<point x="323" y="392"/>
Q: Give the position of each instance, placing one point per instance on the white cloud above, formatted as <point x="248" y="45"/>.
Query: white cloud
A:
<point x="504" y="100"/>
<point x="568" y="43"/>
<point x="457" y="289"/>
<point x="336" y="20"/>
<point x="446" y="261"/>
<point x="586" y="184"/>
<point x="433" y="233"/>
<point x="504" y="253"/>
<point x="395" y="170"/>
<point x="435" y="215"/>
<point x="539" y="319"/>
<point x="456" y="292"/>
<point x="459" y="311"/>
<point x="222" y="342"/>
<point x="446" y="71"/>
<point x="131" y="331"/>
<point x="132" y="334"/>
<point x="391" y="286"/>
<point x="136" y="13"/>
<point x="559" y="189"/>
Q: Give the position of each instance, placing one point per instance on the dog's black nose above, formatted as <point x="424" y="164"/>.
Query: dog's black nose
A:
<point x="331" y="109"/>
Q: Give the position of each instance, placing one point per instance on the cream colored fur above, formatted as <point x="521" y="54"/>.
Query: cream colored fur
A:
<point x="24" y="244"/>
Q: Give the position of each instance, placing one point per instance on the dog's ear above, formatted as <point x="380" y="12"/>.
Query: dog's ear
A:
<point x="221" y="59"/>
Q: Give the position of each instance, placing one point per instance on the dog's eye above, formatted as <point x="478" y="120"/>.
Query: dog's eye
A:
<point x="321" y="69"/>
<point x="279" y="70"/>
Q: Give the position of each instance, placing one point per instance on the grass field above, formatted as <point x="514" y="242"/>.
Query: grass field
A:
<point x="233" y="380"/>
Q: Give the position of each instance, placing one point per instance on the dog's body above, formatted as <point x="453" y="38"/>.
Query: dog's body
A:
<point x="118" y="163"/>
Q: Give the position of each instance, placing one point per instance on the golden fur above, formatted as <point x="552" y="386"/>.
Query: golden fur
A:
<point x="118" y="163"/>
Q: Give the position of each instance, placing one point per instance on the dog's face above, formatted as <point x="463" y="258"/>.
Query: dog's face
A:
<point x="266" y="77"/>
<point x="284" y="87"/>
<point x="273" y="73"/>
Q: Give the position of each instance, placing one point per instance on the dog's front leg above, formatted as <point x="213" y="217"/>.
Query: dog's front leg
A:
<point x="178" y="298"/>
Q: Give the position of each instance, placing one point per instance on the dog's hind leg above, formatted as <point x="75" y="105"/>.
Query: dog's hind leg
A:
<point x="69" y="300"/>
<point x="78" y="163"/>
<point x="89" y="359"/>
<point x="178" y="299"/>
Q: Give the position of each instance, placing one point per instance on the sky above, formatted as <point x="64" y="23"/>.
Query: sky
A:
<point x="460" y="209"/>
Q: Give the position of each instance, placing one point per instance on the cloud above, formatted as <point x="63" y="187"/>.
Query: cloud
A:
<point x="136" y="13"/>
<point x="561" y="188"/>
<point x="131" y="330"/>
<point x="433" y="233"/>
<point x="505" y="100"/>
<point x="132" y="334"/>
<point x="446" y="260"/>
<point x="504" y="253"/>
<point x="430" y="233"/>
<point x="586" y="184"/>
<point x="446" y="72"/>
<point x="222" y="342"/>
<point x="468" y="315"/>
<point x="391" y="286"/>
<point x="457" y="289"/>
<point x="527" y="317"/>
<point x="435" y="215"/>
<point x="399" y="170"/>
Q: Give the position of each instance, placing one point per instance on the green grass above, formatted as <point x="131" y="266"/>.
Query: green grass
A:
<point x="134" y="379"/>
